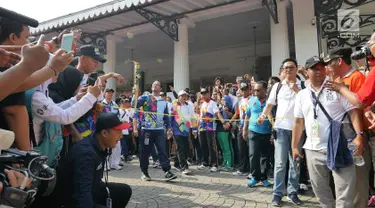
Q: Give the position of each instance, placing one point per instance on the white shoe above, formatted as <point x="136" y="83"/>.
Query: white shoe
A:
<point x="238" y="173"/>
<point x="304" y="187"/>
<point x="214" y="169"/>
<point x="134" y="156"/>
<point x="186" y="172"/>
<point x="201" y="167"/>
<point x="116" y="167"/>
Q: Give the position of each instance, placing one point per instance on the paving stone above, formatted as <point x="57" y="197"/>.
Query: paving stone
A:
<point x="202" y="189"/>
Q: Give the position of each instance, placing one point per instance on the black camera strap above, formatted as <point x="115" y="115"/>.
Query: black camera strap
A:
<point x="109" y="200"/>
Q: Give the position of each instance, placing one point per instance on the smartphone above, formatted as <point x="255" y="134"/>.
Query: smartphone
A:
<point x="67" y="42"/>
<point x="92" y="79"/>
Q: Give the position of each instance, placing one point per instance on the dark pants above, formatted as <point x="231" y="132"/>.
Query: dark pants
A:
<point x="155" y="138"/>
<point x="182" y="143"/>
<point x="209" y="148"/>
<point x="259" y="155"/>
<point x="243" y="148"/>
<point x="120" y="195"/>
<point x="127" y="147"/>
<point x="197" y="149"/>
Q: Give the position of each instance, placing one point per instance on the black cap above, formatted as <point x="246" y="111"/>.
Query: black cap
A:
<point x="110" y="121"/>
<point x="204" y="90"/>
<point x="89" y="50"/>
<point x="338" y="53"/>
<point x="244" y="86"/>
<point x="109" y="90"/>
<point x="311" y="62"/>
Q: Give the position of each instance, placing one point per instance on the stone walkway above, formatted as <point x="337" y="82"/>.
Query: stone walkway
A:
<point x="202" y="189"/>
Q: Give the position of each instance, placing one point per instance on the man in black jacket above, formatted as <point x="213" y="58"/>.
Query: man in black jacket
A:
<point x="79" y="175"/>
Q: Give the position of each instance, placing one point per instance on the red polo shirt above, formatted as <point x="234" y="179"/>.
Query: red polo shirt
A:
<point x="366" y="95"/>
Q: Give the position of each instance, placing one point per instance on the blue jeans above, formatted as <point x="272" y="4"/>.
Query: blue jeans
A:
<point x="283" y="152"/>
<point x="156" y="138"/>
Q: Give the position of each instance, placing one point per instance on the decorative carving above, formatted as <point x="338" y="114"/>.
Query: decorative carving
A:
<point x="97" y="40"/>
<point x="335" y="42"/>
<point x="331" y="6"/>
<point x="166" y="24"/>
<point x="271" y="6"/>
<point x="329" y="26"/>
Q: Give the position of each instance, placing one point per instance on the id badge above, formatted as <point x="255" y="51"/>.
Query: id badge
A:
<point x="147" y="138"/>
<point x="315" y="130"/>
<point x="109" y="203"/>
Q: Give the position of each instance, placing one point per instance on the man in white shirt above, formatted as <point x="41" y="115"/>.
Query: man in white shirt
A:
<point x="309" y="115"/>
<point x="284" y="97"/>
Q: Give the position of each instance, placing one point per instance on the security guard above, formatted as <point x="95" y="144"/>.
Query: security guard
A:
<point x="79" y="176"/>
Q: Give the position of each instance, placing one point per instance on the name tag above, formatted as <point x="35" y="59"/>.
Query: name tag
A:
<point x="314" y="130"/>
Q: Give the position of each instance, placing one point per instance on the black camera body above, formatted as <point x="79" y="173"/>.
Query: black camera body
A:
<point x="34" y="166"/>
<point x="361" y="53"/>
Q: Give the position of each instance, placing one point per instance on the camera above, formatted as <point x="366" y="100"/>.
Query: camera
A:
<point x="35" y="167"/>
<point x="361" y="53"/>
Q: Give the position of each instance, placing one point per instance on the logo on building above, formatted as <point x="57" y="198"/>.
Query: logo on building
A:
<point x="348" y="23"/>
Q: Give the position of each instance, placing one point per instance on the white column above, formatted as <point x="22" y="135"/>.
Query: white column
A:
<point x="305" y="33"/>
<point x="110" y="65"/>
<point x="181" y="76"/>
<point x="279" y="38"/>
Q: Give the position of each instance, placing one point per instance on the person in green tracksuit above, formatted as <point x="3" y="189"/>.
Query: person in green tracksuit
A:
<point x="223" y="134"/>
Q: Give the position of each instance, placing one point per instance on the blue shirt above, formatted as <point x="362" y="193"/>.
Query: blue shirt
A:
<point x="80" y="173"/>
<point x="254" y="110"/>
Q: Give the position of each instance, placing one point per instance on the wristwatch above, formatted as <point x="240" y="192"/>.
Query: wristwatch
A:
<point x="359" y="133"/>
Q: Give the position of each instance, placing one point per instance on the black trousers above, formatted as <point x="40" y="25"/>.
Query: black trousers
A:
<point x="120" y="195"/>
<point x="209" y="148"/>
<point x="243" y="148"/>
<point x="182" y="144"/>
<point x="259" y="155"/>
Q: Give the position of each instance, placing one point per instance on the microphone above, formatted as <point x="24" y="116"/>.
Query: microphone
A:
<point x="5" y="13"/>
<point x="6" y="139"/>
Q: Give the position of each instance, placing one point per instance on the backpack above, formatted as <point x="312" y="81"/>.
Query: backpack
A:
<point x="51" y="137"/>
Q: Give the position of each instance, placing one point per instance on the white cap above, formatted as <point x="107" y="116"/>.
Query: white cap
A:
<point x="182" y="92"/>
<point x="6" y="139"/>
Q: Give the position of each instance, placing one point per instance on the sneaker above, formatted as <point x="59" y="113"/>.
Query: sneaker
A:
<point x="276" y="201"/>
<point x="145" y="177"/>
<point x="156" y="164"/>
<point x="134" y="157"/>
<point x="249" y="176"/>
<point x="177" y="168"/>
<point x="201" y="167"/>
<point x="121" y="163"/>
<point x="303" y="187"/>
<point x="252" y="183"/>
<point x="214" y="169"/>
<point x="169" y="176"/>
<point x="186" y="172"/>
<point x="294" y="198"/>
<point x="266" y="183"/>
<point x="238" y="173"/>
<point x="116" y="167"/>
<point x="128" y="159"/>
<point x="122" y="157"/>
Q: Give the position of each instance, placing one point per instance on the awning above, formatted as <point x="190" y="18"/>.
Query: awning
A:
<point x="110" y="8"/>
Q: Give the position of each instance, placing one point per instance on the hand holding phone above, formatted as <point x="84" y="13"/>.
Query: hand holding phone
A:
<point x="67" y="42"/>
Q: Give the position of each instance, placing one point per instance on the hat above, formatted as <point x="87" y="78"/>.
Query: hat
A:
<point x="204" y="90"/>
<point x="182" y="92"/>
<point x="109" y="90"/>
<point x="311" y="62"/>
<point x="110" y="121"/>
<point x="89" y="50"/>
<point x="244" y="86"/>
<point x="338" y="53"/>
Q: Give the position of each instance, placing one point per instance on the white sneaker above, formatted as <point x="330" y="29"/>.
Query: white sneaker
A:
<point x="238" y="173"/>
<point x="116" y="167"/>
<point x="214" y="169"/>
<point x="186" y="172"/>
<point x="304" y="187"/>
<point x="249" y="176"/>
<point x="134" y="156"/>
<point x="201" y="167"/>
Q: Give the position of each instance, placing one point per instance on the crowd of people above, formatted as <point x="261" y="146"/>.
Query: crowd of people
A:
<point x="315" y="129"/>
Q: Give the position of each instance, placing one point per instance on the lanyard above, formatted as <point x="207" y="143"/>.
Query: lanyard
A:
<point x="315" y="101"/>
